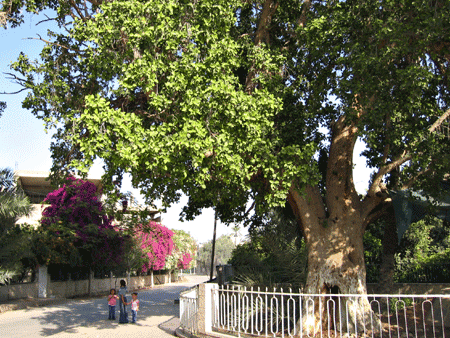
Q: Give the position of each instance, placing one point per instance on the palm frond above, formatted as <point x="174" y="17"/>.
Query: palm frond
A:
<point x="13" y="201"/>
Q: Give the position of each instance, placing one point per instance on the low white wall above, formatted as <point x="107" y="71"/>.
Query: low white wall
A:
<point x="71" y="288"/>
<point x="414" y="288"/>
<point x="25" y="290"/>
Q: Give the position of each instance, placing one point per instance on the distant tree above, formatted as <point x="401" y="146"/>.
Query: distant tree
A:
<point x="2" y="107"/>
<point x="373" y="249"/>
<point x="224" y="248"/>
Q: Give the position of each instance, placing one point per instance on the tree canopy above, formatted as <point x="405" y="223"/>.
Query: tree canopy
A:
<point x="158" y="95"/>
<point x="222" y="253"/>
<point x="211" y="96"/>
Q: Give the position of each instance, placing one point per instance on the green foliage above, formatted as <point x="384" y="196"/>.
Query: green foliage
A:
<point x="17" y="258"/>
<point x="159" y="92"/>
<point x="133" y="257"/>
<point x="424" y="252"/>
<point x="397" y="304"/>
<point x="15" y="255"/>
<point x="275" y="254"/>
<point x="222" y="253"/>
<point x="13" y="201"/>
<point x="373" y="249"/>
<point x="422" y="256"/>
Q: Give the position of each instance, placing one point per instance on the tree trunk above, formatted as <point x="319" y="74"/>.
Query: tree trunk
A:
<point x="336" y="266"/>
<point x="333" y="225"/>
<point x="390" y="244"/>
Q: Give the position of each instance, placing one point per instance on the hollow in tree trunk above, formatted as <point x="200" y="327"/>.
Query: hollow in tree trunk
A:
<point x="336" y="265"/>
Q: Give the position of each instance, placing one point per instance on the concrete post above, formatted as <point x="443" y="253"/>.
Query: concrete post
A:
<point x="43" y="282"/>
<point x="91" y="279"/>
<point x="151" y="279"/>
<point x="205" y="307"/>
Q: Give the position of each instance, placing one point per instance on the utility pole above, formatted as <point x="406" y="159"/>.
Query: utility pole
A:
<point x="213" y="246"/>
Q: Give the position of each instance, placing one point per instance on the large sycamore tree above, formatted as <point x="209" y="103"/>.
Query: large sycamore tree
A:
<point x="236" y="101"/>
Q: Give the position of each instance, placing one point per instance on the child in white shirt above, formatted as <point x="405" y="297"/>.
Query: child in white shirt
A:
<point x="134" y="306"/>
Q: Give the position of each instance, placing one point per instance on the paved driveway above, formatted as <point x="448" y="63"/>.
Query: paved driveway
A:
<point x="158" y="317"/>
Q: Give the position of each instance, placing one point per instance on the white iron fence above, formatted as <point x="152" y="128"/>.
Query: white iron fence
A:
<point x="189" y="309"/>
<point x="252" y="312"/>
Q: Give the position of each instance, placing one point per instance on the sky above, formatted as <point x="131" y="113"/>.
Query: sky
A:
<point x="24" y="144"/>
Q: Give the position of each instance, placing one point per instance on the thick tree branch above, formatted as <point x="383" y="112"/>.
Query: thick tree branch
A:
<point x="308" y="208"/>
<point x="384" y="170"/>
<point x="75" y="7"/>
<point x="439" y="121"/>
<point x="261" y="35"/>
<point x="306" y="6"/>
<point x="262" y="32"/>
<point x="419" y="174"/>
<point x="341" y="192"/>
<point x="381" y="206"/>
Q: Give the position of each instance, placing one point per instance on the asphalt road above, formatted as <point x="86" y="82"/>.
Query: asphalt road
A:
<point x="158" y="316"/>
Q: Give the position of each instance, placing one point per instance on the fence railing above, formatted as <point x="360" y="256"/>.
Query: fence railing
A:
<point x="279" y="313"/>
<point x="189" y="310"/>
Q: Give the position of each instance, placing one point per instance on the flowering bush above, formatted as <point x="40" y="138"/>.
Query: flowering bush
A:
<point x="184" y="251"/>
<point x="184" y="262"/>
<point x="156" y="244"/>
<point x="75" y="229"/>
<point x="75" y="203"/>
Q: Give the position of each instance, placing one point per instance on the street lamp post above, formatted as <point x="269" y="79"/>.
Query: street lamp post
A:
<point x="213" y="246"/>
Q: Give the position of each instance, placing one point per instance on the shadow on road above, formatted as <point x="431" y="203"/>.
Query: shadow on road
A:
<point x="157" y="308"/>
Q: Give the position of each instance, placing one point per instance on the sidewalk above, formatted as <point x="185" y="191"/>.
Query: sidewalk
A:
<point x="159" y="325"/>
